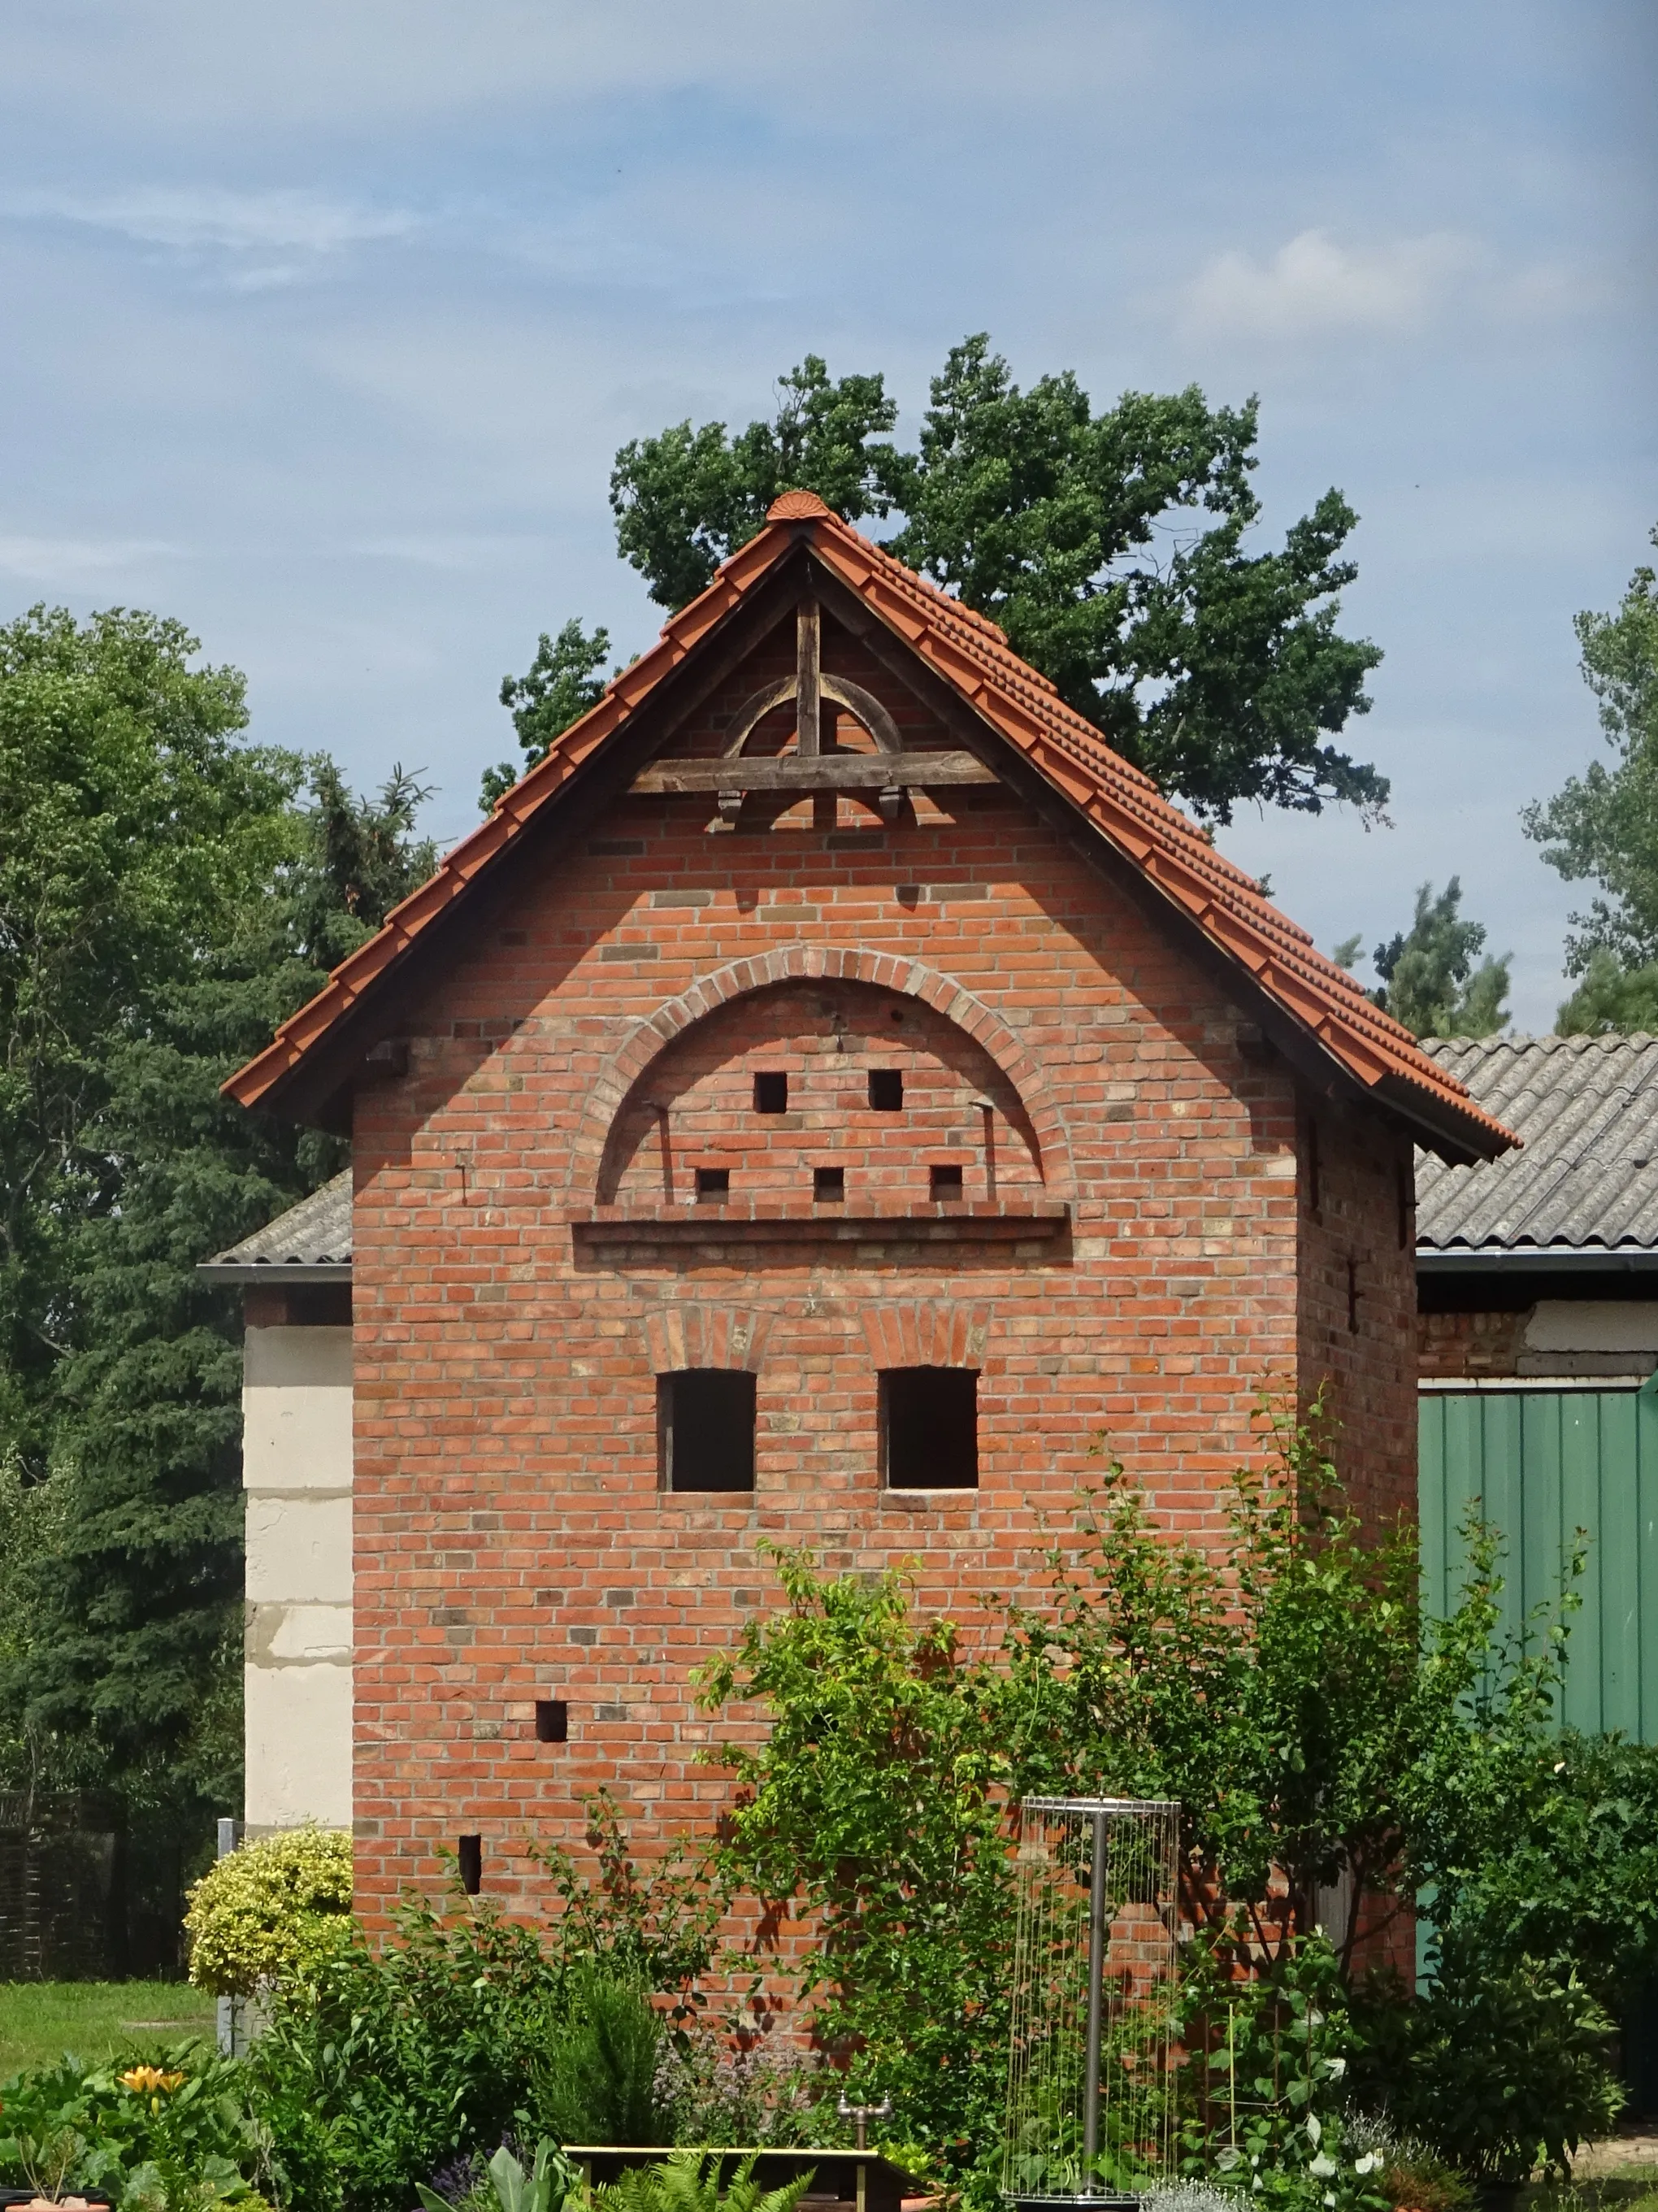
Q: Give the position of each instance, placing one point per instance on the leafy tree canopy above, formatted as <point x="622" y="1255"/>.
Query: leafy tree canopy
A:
<point x="1429" y="979"/>
<point x="562" y="683"/>
<point x="166" y="896"/>
<point x="1110" y="547"/>
<point x="1601" y="827"/>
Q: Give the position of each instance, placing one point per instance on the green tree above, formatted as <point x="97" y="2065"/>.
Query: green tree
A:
<point x="1611" y="998"/>
<point x="685" y="498"/>
<point x="873" y="1809"/>
<point x="139" y="1642"/>
<point x="165" y="899"/>
<point x="561" y="684"/>
<point x="1602" y="827"/>
<point x="1220" y="672"/>
<point x="1429" y="979"/>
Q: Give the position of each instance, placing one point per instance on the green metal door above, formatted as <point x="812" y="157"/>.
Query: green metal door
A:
<point x="1538" y="1465"/>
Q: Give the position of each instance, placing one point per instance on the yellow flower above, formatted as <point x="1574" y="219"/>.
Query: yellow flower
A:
<point x="146" y="2080"/>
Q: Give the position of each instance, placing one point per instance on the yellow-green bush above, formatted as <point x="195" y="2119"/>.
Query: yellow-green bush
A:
<point x="273" y="1910"/>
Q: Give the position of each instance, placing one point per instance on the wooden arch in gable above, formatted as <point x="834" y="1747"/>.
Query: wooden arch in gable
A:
<point x="812" y="767"/>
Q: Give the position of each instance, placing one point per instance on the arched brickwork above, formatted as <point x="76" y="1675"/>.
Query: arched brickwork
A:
<point x="693" y="1335"/>
<point x="790" y="964"/>
<point x="920" y="1333"/>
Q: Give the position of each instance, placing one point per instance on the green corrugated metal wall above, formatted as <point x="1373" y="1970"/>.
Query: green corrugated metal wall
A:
<point x="1538" y="1465"/>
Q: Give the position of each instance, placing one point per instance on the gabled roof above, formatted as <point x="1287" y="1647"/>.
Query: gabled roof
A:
<point x="310" y="1243"/>
<point x="1585" y="1189"/>
<point x="1012" y="702"/>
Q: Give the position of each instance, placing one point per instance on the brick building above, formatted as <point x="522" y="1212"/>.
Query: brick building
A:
<point x="830" y="1092"/>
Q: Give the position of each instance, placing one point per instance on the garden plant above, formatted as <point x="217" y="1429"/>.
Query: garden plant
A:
<point x="1328" y="1746"/>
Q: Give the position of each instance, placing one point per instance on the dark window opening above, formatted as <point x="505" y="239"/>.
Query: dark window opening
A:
<point x="469" y="1855"/>
<point x="552" y="1721"/>
<point x="946" y="1183"/>
<point x="829" y="1186"/>
<point x="1352" y="1296"/>
<point x="705" y="1430"/>
<point x="771" y="1094"/>
<point x="930" y="1428"/>
<point x="713" y="1183"/>
<point x="886" y="1090"/>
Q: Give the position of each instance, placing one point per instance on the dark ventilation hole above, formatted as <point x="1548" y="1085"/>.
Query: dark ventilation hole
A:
<point x="886" y="1090"/>
<point x="946" y="1183"/>
<point x="713" y="1183"/>
<point x="552" y="1721"/>
<point x="469" y="1853"/>
<point x="1352" y="1296"/>
<point x="705" y="1430"/>
<point x="771" y="1094"/>
<point x="829" y="1186"/>
<point x="930" y="1428"/>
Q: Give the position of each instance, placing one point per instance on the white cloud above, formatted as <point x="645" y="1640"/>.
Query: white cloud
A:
<point x="1313" y="286"/>
<point x="206" y="218"/>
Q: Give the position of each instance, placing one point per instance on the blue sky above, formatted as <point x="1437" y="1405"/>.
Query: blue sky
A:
<point x="322" y="322"/>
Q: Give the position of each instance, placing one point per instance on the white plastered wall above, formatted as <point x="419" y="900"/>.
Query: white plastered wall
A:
<point x="1591" y="1336"/>
<point x="296" y="1470"/>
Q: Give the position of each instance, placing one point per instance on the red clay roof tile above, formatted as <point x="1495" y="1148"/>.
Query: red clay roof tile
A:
<point x="972" y="655"/>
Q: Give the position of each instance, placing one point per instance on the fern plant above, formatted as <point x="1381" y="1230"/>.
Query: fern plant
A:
<point x="688" y="2181"/>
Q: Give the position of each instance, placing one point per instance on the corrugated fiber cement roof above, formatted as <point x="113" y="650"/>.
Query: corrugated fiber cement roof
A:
<point x="1587" y="1176"/>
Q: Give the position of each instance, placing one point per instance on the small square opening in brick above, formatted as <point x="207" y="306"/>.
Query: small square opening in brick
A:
<point x="886" y="1090"/>
<point x="829" y="1186"/>
<point x="713" y="1183"/>
<point x="469" y="1855"/>
<point x="771" y="1092"/>
<point x="946" y="1182"/>
<point x="552" y="1721"/>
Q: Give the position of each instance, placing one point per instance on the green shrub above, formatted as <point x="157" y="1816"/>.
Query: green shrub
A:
<point x="273" y="1910"/>
<point x="1265" y="2093"/>
<point x="1499" y="2066"/>
<point x="598" y="2083"/>
<point x="172" y="2135"/>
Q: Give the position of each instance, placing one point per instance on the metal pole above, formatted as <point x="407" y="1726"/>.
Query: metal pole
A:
<point x="228" y="2010"/>
<point x="1096" y="2005"/>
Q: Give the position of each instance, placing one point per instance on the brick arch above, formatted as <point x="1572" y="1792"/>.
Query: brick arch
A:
<point x="690" y="1334"/>
<point x="822" y="963"/>
<point x="927" y="1333"/>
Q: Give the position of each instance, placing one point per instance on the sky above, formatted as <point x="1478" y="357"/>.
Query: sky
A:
<point x="321" y="324"/>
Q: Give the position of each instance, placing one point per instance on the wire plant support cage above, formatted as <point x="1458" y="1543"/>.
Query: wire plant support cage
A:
<point x="1090" y="2076"/>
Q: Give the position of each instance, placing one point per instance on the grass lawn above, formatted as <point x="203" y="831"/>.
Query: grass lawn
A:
<point x="39" y="2021"/>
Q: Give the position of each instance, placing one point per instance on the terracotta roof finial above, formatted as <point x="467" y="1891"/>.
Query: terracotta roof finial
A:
<point x="797" y="507"/>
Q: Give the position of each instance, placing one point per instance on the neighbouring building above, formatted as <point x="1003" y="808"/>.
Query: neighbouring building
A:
<point x="1537" y="1280"/>
<point x="831" y="1093"/>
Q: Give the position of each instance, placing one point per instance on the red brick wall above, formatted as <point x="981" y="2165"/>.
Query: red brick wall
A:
<point x="1357" y="1277"/>
<point x="1452" y="1345"/>
<point x="511" y="1540"/>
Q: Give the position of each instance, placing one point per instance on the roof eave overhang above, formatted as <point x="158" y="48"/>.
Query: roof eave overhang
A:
<point x="1535" y="1259"/>
<point x="269" y="1272"/>
<point x="305" y="1075"/>
<point x="1459" y="1139"/>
